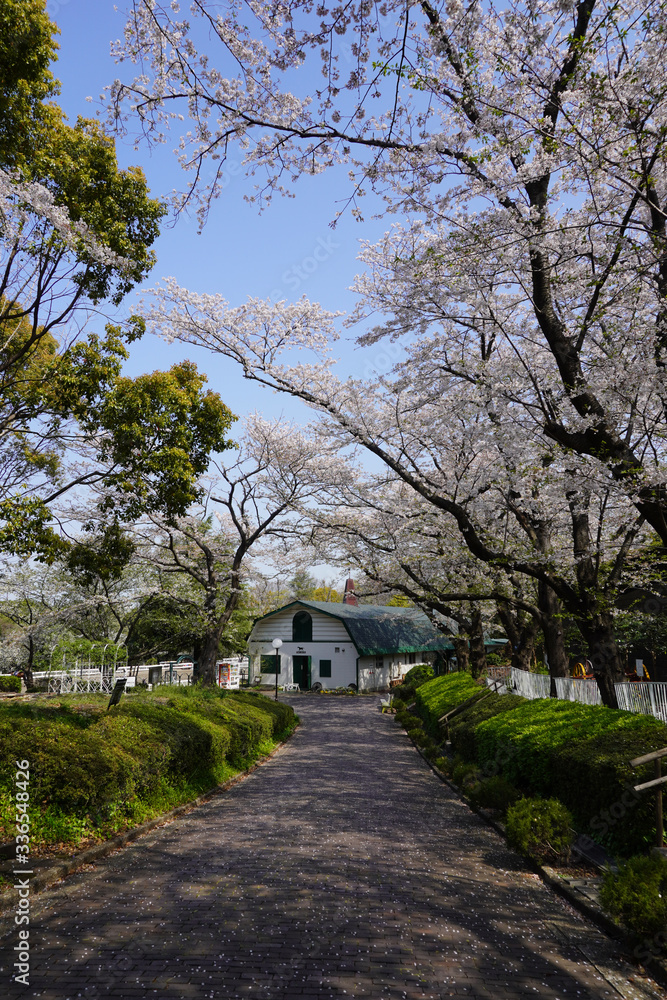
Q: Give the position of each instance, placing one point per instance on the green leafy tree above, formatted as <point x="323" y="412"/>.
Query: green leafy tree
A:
<point x="75" y="229"/>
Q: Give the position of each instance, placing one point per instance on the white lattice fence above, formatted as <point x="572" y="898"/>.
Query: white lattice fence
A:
<point x="89" y="681"/>
<point x="646" y="697"/>
<point x="530" y="685"/>
<point x="586" y="692"/>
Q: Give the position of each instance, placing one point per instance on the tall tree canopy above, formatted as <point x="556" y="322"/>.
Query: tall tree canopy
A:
<point x="76" y="231"/>
<point x="525" y="148"/>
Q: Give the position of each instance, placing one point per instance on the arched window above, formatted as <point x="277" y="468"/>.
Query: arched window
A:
<point x="302" y="627"/>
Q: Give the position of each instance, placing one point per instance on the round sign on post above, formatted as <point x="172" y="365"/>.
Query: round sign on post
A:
<point x="277" y="643"/>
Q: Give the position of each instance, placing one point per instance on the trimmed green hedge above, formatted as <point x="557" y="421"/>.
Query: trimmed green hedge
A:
<point x="10" y="683"/>
<point x="577" y="753"/>
<point x="463" y="728"/>
<point x="92" y="772"/>
<point x="442" y="694"/>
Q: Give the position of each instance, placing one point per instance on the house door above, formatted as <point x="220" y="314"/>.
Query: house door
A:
<point x="301" y="671"/>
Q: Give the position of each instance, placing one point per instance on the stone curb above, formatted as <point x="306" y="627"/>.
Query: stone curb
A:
<point x="657" y="967"/>
<point x="54" y="873"/>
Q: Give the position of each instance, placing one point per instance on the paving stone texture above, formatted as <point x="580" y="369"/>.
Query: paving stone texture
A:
<point x="342" y="868"/>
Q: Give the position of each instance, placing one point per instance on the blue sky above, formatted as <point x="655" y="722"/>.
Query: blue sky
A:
<point x="240" y="252"/>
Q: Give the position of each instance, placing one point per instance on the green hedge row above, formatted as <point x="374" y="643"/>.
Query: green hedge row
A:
<point x="578" y="753"/>
<point x="95" y="771"/>
<point x="9" y="683"/>
<point x="439" y="696"/>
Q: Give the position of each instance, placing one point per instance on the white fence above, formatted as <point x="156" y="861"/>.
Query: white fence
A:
<point x="87" y="681"/>
<point x="645" y="697"/>
<point x="574" y="689"/>
<point x="530" y="685"/>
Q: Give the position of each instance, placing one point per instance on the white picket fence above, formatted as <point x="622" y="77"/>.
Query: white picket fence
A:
<point x="645" y="697"/>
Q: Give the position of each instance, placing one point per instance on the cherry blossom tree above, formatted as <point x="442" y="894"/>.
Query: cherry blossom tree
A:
<point x="524" y="143"/>
<point x="277" y="473"/>
<point x="525" y="149"/>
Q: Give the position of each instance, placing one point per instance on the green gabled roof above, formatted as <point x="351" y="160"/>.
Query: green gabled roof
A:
<point x="376" y="630"/>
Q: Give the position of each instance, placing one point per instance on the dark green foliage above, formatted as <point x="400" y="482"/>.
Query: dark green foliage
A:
<point x="463" y="727"/>
<point x="442" y="694"/>
<point x="637" y="895"/>
<point x="494" y="793"/>
<point x="465" y="774"/>
<point x="415" y="677"/>
<point x="540" y="828"/>
<point x="97" y="767"/>
<point x="419" y="738"/>
<point x="418" y="675"/>
<point x="579" y="753"/>
<point x="496" y="659"/>
<point x="9" y="683"/>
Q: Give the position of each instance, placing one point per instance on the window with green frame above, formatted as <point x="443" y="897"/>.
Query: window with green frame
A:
<point x="268" y="664"/>
<point x="325" y="668"/>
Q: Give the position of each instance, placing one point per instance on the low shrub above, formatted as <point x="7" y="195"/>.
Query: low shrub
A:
<point x="10" y="683"/>
<point x="444" y="764"/>
<point x="637" y="895"/>
<point x="580" y="754"/>
<point x="540" y="828"/>
<point x="494" y="793"/>
<point x="465" y="774"/>
<point x="464" y="727"/>
<point x="415" y="677"/>
<point x="98" y="771"/>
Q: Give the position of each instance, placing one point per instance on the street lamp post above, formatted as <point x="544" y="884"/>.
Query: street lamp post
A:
<point x="277" y="643"/>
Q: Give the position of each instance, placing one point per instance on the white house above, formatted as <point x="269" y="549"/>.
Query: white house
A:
<point x="337" y="645"/>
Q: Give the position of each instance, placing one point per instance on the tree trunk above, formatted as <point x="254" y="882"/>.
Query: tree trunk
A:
<point x="477" y="651"/>
<point x="204" y="672"/>
<point x="604" y="655"/>
<point x="521" y="633"/>
<point x="552" y="629"/>
<point x="462" y="650"/>
<point x="27" y="670"/>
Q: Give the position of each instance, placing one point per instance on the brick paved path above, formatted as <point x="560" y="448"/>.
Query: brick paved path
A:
<point x="342" y="868"/>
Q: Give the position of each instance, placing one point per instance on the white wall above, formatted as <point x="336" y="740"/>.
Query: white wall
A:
<point x="279" y="626"/>
<point x="343" y="661"/>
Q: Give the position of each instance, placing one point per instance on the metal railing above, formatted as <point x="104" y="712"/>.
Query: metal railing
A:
<point x="82" y="682"/>
<point x="645" y="697"/>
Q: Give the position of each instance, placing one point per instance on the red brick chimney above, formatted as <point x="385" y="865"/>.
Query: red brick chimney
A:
<point x="350" y="597"/>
